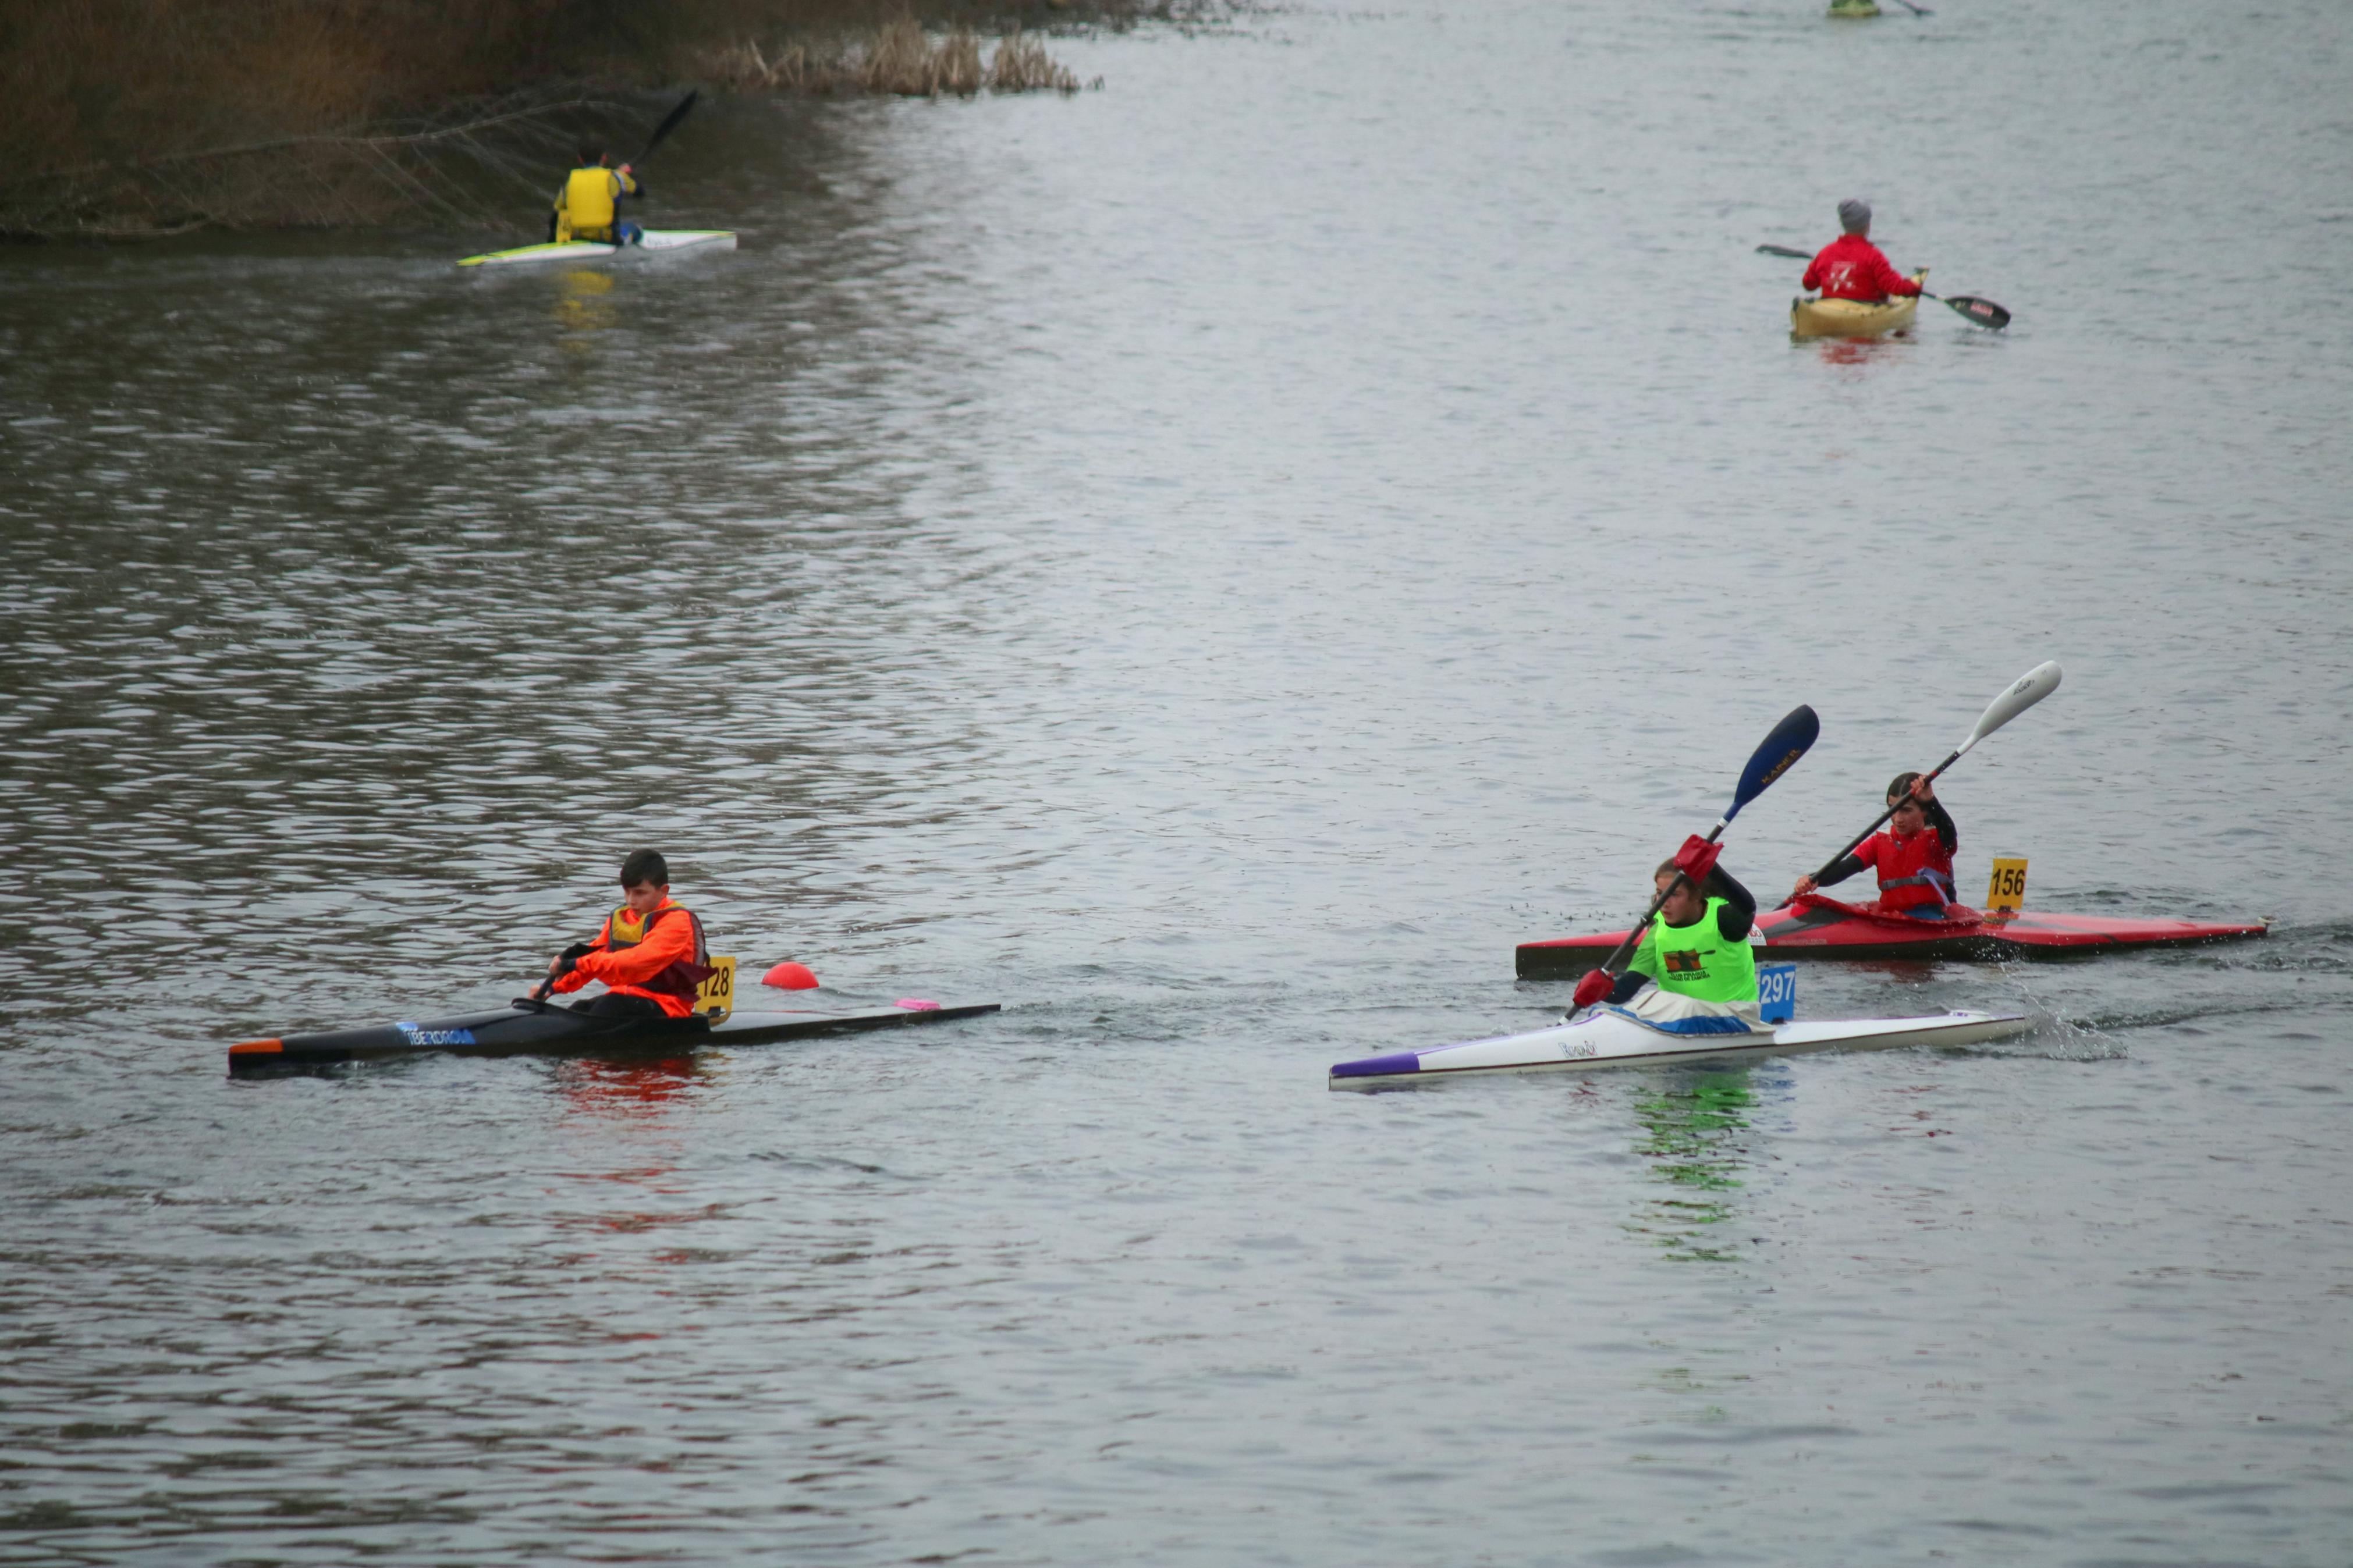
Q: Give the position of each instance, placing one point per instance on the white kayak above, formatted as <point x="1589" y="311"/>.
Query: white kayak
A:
<point x="1608" y="1037"/>
<point x="650" y="240"/>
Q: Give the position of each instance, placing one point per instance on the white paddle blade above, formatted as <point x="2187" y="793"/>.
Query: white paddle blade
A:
<point x="2024" y="692"/>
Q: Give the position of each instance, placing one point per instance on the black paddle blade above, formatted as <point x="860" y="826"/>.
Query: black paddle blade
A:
<point x="1785" y="250"/>
<point x="1984" y="313"/>
<point x="668" y="124"/>
<point x="1792" y="738"/>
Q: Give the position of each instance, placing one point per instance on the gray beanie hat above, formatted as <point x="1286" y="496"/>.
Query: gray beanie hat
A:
<point x="1854" y="216"/>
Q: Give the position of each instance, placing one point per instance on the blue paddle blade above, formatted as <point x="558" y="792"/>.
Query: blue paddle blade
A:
<point x="1792" y="738"/>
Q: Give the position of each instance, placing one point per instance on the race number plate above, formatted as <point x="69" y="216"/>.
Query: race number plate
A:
<point x="1777" y="992"/>
<point x="716" y="998"/>
<point x="2006" y="894"/>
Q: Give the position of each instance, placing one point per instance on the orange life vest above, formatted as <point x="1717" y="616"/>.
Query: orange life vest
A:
<point x="675" y="987"/>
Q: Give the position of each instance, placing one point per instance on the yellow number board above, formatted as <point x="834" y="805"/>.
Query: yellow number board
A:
<point x="716" y="998"/>
<point x="2006" y="894"/>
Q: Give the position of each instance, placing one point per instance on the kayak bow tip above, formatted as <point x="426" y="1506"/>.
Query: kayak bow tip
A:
<point x="257" y="1049"/>
<point x="1388" y="1065"/>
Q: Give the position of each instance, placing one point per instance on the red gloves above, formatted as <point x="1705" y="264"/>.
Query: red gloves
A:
<point x="1697" y="858"/>
<point x="1596" y="986"/>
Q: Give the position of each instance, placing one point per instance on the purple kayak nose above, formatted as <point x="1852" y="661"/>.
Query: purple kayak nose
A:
<point x="1379" y="1067"/>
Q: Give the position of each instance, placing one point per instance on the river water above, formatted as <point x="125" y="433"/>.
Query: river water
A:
<point x="1211" y="564"/>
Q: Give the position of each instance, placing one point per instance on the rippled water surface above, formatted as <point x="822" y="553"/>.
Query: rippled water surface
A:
<point x="1210" y="563"/>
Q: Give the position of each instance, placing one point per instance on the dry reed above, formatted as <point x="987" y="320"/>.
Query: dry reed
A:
<point x="898" y="59"/>
<point x="1022" y="65"/>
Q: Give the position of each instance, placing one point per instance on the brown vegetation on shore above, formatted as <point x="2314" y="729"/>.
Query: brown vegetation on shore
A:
<point x="899" y="58"/>
<point x="132" y="118"/>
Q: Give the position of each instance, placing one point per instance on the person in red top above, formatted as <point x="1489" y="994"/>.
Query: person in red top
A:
<point x="1913" y="858"/>
<point x="1852" y="267"/>
<point x="651" y="954"/>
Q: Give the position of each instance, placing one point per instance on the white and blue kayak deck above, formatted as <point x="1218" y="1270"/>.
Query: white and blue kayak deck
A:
<point x="1607" y="1036"/>
<point x="650" y="242"/>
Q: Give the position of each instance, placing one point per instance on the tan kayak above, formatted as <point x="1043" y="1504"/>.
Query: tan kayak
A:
<point x="1854" y="8"/>
<point x="1852" y="318"/>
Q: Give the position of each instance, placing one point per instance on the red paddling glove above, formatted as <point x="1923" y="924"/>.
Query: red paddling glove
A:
<point x="1596" y="986"/>
<point x="1697" y="858"/>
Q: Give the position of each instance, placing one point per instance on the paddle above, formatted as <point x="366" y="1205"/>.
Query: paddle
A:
<point x="1984" y="313"/>
<point x="1791" y="740"/>
<point x="2023" y="693"/>
<point x="577" y="951"/>
<point x="668" y="124"/>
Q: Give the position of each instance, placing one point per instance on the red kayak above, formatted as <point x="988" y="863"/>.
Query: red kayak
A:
<point x="1816" y="927"/>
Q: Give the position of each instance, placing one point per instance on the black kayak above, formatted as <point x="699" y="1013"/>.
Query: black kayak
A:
<point x="536" y="1028"/>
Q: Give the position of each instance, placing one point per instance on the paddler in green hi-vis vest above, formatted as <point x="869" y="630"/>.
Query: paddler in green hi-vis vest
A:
<point x="588" y="206"/>
<point x="651" y="954"/>
<point x="1694" y="971"/>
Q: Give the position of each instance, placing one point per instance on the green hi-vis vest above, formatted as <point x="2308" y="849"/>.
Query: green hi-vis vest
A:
<point x="1697" y="961"/>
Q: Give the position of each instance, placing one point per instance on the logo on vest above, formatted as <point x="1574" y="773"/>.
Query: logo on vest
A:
<point x="1684" y="963"/>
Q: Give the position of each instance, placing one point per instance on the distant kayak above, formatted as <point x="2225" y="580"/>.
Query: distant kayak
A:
<point x="653" y="241"/>
<point x="1608" y="1037"/>
<point x="1818" y="927"/>
<point x="1852" y="317"/>
<point x="1854" y="9"/>
<point x="531" y="1029"/>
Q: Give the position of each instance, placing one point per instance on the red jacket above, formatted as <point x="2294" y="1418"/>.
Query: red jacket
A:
<point x="664" y="966"/>
<point x="1913" y="871"/>
<point x="1852" y="267"/>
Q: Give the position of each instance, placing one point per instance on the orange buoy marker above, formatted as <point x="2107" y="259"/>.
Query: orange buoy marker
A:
<point x="790" y="976"/>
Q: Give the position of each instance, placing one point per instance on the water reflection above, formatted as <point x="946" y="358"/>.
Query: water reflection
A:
<point x="584" y="308"/>
<point x="1695" y="1144"/>
<point x="636" y="1089"/>
<point x="1856" y="353"/>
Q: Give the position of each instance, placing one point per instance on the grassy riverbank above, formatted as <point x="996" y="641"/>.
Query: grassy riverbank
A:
<point x="134" y="118"/>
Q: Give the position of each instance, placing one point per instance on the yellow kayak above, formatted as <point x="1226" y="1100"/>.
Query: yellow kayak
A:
<point x="1852" y="318"/>
<point x="1854" y="8"/>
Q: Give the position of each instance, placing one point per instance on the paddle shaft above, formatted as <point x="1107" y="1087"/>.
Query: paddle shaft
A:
<point x="668" y="124"/>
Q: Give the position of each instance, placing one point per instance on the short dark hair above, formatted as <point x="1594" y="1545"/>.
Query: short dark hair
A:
<point x="1902" y="786"/>
<point x="590" y="154"/>
<point x="645" y="866"/>
<point x="1707" y="889"/>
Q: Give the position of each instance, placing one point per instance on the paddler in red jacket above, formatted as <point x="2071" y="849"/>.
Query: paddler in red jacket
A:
<point x="1852" y="267"/>
<point x="1913" y="858"/>
<point x="651" y="954"/>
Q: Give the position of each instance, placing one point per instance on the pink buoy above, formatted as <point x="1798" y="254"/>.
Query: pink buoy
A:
<point x="916" y="1005"/>
<point x="790" y="976"/>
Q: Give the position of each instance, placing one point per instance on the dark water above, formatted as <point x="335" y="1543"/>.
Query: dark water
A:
<point x="1211" y="564"/>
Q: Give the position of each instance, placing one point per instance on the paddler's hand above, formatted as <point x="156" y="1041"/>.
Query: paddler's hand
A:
<point x="1697" y="858"/>
<point x="565" y="962"/>
<point x="1596" y="986"/>
<point x="1805" y="884"/>
<point x="1922" y="789"/>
